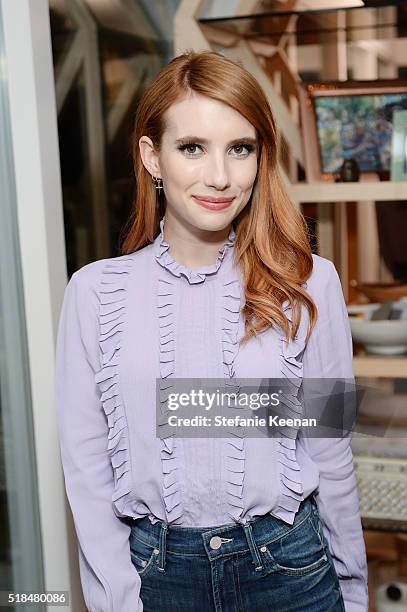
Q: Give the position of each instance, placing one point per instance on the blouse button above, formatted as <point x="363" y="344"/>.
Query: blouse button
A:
<point x="215" y="542"/>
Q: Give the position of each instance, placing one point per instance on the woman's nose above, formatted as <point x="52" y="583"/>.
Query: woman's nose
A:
<point x="216" y="173"/>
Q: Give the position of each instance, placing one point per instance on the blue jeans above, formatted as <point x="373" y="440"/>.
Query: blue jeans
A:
<point x="265" y="565"/>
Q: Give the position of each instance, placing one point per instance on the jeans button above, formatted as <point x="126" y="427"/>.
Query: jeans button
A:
<point x="215" y="542"/>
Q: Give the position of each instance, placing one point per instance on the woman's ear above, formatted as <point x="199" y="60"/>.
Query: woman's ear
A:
<point x="149" y="157"/>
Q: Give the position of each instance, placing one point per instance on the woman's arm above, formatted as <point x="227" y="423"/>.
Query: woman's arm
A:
<point x="328" y="354"/>
<point x="110" y="582"/>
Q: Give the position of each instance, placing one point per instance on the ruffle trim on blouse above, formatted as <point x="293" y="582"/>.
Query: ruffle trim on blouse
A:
<point x="194" y="276"/>
<point x="235" y="451"/>
<point x="172" y="493"/>
<point x="112" y="296"/>
<point x="292" y="492"/>
<point x="170" y="460"/>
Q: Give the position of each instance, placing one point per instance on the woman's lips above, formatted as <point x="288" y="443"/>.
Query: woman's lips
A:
<point x="213" y="203"/>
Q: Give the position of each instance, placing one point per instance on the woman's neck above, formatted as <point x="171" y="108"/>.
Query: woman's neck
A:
<point x="193" y="247"/>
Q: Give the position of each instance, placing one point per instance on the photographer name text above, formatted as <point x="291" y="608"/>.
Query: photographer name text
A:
<point x="239" y="421"/>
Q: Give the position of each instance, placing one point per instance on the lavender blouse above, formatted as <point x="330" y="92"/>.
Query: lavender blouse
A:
<point x="128" y="320"/>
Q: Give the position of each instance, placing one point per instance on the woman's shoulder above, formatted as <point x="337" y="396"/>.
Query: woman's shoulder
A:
<point x="91" y="275"/>
<point x="322" y="274"/>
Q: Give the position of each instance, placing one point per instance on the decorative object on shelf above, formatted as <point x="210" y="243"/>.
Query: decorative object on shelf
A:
<point x="382" y="480"/>
<point x="399" y="146"/>
<point x="391" y="597"/>
<point x="382" y="336"/>
<point x="350" y="170"/>
<point x="386" y="312"/>
<point x="380" y="292"/>
<point x="342" y="119"/>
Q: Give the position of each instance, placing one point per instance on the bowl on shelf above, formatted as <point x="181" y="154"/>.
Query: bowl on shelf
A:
<point x="382" y="337"/>
<point x="380" y="292"/>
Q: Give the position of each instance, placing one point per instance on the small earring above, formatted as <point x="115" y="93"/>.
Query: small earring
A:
<point x="158" y="184"/>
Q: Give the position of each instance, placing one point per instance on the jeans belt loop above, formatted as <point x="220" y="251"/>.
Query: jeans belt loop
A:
<point x="162" y="546"/>
<point x="252" y="545"/>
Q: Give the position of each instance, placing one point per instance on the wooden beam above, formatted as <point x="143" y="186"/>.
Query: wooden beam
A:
<point x="187" y="32"/>
<point x="289" y="129"/>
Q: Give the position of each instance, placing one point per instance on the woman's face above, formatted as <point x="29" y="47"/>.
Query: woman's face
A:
<point x="208" y="150"/>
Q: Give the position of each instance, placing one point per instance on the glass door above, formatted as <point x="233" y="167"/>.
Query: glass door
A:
<point x="21" y="565"/>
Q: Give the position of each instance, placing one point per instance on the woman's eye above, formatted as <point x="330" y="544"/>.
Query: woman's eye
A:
<point x="188" y="147"/>
<point x="241" y="150"/>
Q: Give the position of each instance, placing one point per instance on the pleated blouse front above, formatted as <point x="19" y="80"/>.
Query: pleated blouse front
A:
<point x="192" y="319"/>
<point x="131" y="320"/>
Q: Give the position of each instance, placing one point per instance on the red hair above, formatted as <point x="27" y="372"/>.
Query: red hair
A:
<point x="272" y="245"/>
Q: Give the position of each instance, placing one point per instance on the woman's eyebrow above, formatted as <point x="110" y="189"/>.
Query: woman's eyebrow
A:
<point x="197" y="139"/>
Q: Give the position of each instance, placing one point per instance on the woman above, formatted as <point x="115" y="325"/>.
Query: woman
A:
<point x="211" y="284"/>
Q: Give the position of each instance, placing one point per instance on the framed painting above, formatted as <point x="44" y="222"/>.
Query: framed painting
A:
<point x="349" y="120"/>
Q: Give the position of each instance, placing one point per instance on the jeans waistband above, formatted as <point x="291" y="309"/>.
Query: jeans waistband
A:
<point x="218" y="540"/>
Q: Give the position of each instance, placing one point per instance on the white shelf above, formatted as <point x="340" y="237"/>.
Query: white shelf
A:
<point x="348" y="192"/>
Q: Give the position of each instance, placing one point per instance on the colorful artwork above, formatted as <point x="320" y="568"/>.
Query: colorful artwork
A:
<point x="358" y="127"/>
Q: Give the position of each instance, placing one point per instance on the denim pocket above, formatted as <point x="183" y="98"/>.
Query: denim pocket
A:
<point x="299" y="551"/>
<point x="143" y="555"/>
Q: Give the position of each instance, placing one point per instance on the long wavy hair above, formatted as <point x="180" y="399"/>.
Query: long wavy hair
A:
<point x="272" y="242"/>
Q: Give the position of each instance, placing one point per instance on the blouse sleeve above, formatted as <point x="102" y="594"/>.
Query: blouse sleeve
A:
<point x="328" y="354"/>
<point x="110" y="582"/>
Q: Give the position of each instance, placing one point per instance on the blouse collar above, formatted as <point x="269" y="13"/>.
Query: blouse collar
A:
<point x="197" y="275"/>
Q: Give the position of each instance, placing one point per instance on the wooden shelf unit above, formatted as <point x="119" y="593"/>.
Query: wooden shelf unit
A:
<point x="376" y="366"/>
<point x="348" y="192"/>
